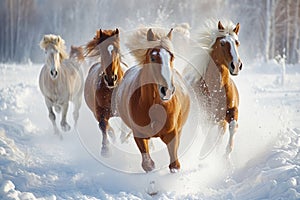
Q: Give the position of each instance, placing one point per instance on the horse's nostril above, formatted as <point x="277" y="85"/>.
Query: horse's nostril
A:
<point x="241" y="66"/>
<point x="53" y="73"/>
<point x="115" y="77"/>
<point x="232" y="66"/>
<point x="105" y="77"/>
<point x="163" y="90"/>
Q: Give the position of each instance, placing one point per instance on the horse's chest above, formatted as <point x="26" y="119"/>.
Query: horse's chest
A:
<point x="155" y="117"/>
<point x="57" y="93"/>
<point x="103" y="97"/>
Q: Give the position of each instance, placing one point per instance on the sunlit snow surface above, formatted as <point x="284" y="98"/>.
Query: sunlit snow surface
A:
<point x="36" y="164"/>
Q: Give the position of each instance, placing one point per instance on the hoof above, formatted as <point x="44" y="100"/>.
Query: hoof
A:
<point x="174" y="167"/>
<point x="106" y="152"/>
<point x="174" y="170"/>
<point x="148" y="165"/>
<point x="65" y="127"/>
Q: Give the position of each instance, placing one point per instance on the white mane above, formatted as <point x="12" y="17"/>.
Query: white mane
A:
<point x="57" y="42"/>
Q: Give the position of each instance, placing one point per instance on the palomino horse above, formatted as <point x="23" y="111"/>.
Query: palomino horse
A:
<point x="216" y="87"/>
<point x="152" y="99"/>
<point x="60" y="81"/>
<point x="102" y="78"/>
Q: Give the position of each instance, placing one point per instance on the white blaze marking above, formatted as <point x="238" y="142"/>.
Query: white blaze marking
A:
<point x="233" y="51"/>
<point x="166" y="68"/>
<point x="154" y="53"/>
<point x="110" y="48"/>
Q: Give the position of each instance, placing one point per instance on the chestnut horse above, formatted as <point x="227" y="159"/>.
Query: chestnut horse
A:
<point x="152" y="99"/>
<point x="102" y="78"/>
<point x="215" y="86"/>
<point x="60" y="81"/>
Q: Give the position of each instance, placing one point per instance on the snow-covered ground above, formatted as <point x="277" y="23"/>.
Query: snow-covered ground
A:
<point x="36" y="164"/>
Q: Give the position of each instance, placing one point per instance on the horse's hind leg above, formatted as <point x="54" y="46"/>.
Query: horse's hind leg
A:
<point x="63" y="123"/>
<point x="147" y="163"/>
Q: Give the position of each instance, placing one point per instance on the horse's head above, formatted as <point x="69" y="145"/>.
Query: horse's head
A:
<point x="54" y="47"/>
<point x="225" y="49"/>
<point x="160" y="60"/>
<point x="107" y="44"/>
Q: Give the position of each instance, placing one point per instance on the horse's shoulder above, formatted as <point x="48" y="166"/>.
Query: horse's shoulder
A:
<point x="95" y="67"/>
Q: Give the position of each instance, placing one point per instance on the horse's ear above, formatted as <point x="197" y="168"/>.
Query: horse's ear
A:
<point x="58" y="39"/>
<point x="98" y="34"/>
<point x="150" y="35"/>
<point x="117" y="31"/>
<point x="220" y="26"/>
<point x="237" y="28"/>
<point x="170" y="34"/>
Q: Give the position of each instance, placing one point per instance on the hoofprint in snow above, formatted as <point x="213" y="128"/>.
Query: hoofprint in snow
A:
<point x="36" y="164"/>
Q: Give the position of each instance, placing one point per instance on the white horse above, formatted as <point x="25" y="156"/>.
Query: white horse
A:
<point x="60" y="81"/>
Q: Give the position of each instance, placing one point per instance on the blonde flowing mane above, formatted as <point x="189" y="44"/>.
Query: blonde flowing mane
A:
<point x="56" y="42"/>
<point x="139" y="45"/>
<point x="208" y="34"/>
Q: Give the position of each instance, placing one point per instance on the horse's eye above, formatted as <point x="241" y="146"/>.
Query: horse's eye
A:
<point x="152" y="58"/>
<point x="237" y="43"/>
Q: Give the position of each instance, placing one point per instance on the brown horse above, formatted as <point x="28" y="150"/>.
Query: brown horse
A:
<point x="102" y="78"/>
<point x="77" y="53"/>
<point x="152" y="99"/>
<point x="215" y="86"/>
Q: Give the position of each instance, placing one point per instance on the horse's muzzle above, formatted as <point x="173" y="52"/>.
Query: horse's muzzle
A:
<point x="235" y="68"/>
<point x="166" y="93"/>
<point x="53" y="73"/>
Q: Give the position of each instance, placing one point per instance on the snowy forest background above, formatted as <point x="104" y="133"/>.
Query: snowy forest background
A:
<point x="268" y="28"/>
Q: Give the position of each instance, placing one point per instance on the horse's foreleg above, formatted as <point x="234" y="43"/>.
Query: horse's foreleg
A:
<point x="105" y="150"/>
<point x="172" y="142"/>
<point x="147" y="163"/>
<point x="52" y="116"/>
<point x="233" y="125"/>
<point x="63" y="123"/>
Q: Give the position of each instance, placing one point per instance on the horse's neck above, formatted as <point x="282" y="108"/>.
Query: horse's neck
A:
<point x="148" y="88"/>
<point x="217" y="75"/>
